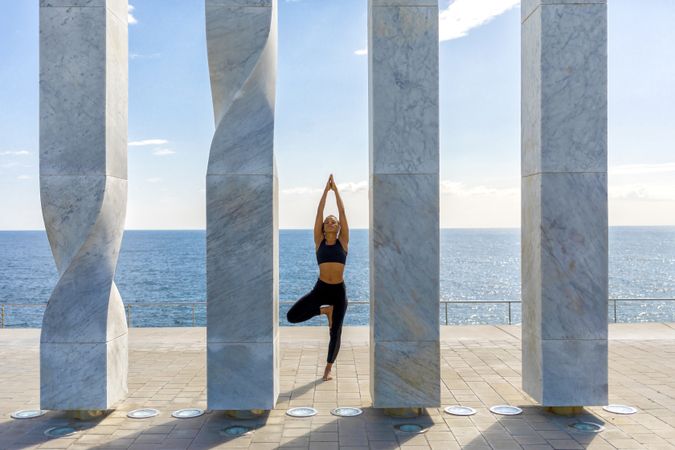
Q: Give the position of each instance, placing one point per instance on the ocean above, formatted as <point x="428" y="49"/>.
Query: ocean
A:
<point x="161" y="275"/>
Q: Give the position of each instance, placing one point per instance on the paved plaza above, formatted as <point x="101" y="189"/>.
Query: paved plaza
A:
<point x="480" y="367"/>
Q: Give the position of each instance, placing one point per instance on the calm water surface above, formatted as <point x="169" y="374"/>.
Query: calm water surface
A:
<point x="476" y="264"/>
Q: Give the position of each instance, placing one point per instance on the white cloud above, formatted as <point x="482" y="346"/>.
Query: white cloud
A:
<point x="462" y="15"/>
<point x="641" y="191"/>
<point x="360" y="186"/>
<point x="459" y="189"/>
<point x="23" y="177"/>
<point x="447" y="187"/>
<point x="301" y="191"/>
<point x="361" y="52"/>
<point x="15" y="152"/>
<point x="348" y="187"/>
<point x="163" y="152"/>
<point x="153" y="180"/>
<point x="633" y="169"/>
<point x="636" y="191"/>
<point x="132" y="20"/>
<point x="9" y="165"/>
<point x="145" y="142"/>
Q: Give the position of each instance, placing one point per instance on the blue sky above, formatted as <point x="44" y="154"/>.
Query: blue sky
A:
<point x="322" y="108"/>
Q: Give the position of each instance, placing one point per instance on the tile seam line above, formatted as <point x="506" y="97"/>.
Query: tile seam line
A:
<point x="80" y="175"/>
<point x="560" y="172"/>
<point x="123" y="20"/>
<point x="109" y="9"/>
<point x="559" y="4"/>
<point x="87" y="342"/>
<point x="522" y="22"/>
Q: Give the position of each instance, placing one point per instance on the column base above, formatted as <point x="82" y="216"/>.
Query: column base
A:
<point x="245" y="413"/>
<point x="565" y="410"/>
<point x="87" y="414"/>
<point x="402" y="412"/>
<point x="84" y="376"/>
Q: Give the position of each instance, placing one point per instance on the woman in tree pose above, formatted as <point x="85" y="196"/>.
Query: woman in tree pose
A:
<point x="329" y="297"/>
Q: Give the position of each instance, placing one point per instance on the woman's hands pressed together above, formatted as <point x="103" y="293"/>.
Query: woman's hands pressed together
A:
<point x="330" y="184"/>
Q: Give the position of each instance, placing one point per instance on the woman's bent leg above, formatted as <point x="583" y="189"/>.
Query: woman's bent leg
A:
<point x="308" y="306"/>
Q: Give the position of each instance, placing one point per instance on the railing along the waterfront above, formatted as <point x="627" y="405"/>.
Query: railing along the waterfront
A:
<point x="193" y="305"/>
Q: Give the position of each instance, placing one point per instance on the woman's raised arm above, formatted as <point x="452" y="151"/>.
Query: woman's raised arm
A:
<point x="344" y="227"/>
<point x="318" y="222"/>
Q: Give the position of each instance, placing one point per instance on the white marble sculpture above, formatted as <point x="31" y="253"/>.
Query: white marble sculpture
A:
<point x="404" y="203"/>
<point x="242" y="221"/>
<point x="564" y="201"/>
<point x="83" y="188"/>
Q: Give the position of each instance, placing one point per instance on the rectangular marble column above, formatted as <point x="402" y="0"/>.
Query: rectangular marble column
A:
<point x="564" y="201"/>
<point x="404" y="203"/>
<point x="242" y="226"/>
<point x="83" y="190"/>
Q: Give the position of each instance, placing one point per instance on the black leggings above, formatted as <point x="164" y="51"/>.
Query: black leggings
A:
<point x="309" y="306"/>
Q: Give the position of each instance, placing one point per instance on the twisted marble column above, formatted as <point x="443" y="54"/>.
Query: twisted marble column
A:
<point x="241" y="213"/>
<point x="564" y="201"/>
<point x="83" y="188"/>
<point x="404" y="203"/>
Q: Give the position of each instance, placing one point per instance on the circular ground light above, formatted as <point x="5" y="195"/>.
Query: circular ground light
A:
<point x="620" y="409"/>
<point x="303" y="411"/>
<point x="346" y="411"/>
<point x="187" y="413"/>
<point x="236" y="430"/>
<point x="460" y="410"/>
<point x="144" y="413"/>
<point x="410" y="428"/>
<point x="506" y="410"/>
<point x="587" y="427"/>
<point x="60" y="431"/>
<point x="28" y="413"/>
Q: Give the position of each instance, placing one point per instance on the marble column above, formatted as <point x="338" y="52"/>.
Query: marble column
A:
<point x="564" y="201"/>
<point x="242" y="257"/>
<point x="83" y="189"/>
<point x="404" y="203"/>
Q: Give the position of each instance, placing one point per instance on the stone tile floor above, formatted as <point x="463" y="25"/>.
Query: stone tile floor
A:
<point x="480" y="368"/>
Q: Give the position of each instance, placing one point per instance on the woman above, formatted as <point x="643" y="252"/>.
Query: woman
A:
<point x="331" y="240"/>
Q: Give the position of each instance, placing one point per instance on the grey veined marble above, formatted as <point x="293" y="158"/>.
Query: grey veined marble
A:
<point x="241" y="214"/>
<point x="564" y="201"/>
<point x="83" y="190"/>
<point x="404" y="203"/>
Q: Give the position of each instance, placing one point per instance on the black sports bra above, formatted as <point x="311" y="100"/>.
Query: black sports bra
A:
<point x="330" y="253"/>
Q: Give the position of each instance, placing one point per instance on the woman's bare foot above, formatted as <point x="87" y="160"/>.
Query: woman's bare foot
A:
<point x="326" y="373"/>
<point x="328" y="311"/>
